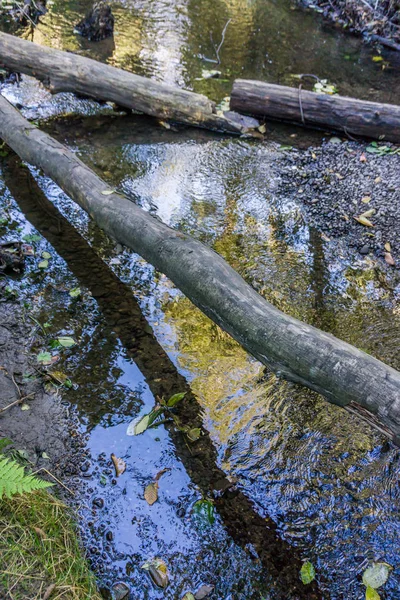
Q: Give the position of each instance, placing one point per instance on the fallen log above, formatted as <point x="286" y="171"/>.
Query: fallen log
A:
<point x="66" y="72"/>
<point x="296" y="351"/>
<point x="281" y="561"/>
<point x="354" y="117"/>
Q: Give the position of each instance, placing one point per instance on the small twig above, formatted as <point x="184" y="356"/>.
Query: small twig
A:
<point x="303" y="76"/>
<point x="55" y="479"/>
<point x="16" y="402"/>
<point x="16" y="385"/>
<point x="222" y="40"/>
<point x="218" y="48"/>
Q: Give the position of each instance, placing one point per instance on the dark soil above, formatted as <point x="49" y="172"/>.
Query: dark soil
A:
<point x="340" y="181"/>
<point x="46" y="434"/>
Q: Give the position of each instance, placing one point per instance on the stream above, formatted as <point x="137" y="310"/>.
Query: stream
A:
<point x="279" y="458"/>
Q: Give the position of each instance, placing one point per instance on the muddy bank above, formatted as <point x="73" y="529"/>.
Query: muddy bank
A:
<point x="340" y="182"/>
<point x="380" y="18"/>
<point x="41" y="427"/>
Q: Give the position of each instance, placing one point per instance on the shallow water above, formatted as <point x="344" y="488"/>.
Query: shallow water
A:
<point x="325" y="480"/>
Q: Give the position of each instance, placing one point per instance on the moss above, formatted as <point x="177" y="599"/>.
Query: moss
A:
<point x="39" y="548"/>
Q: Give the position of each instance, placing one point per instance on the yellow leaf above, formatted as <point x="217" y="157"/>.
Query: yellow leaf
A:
<point x="366" y="199"/>
<point x="377" y="58"/>
<point x="119" y="465"/>
<point x="389" y="259"/>
<point x="364" y="221"/>
<point x="151" y="493"/>
<point x="368" y="213"/>
<point x="388" y="247"/>
<point x="378" y="180"/>
<point x="107" y="192"/>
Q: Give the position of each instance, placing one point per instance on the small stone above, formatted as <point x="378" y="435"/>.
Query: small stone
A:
<point x="364" y="250"/>
<point x="109" y="536"/>
<point x="119" y="591"/>
<point x="99" y="502"/>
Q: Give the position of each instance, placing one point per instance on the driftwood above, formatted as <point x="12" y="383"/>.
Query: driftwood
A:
<point x="296" y="351"/>
<point x="66" y="72"/>
<point x="354" y="117"/>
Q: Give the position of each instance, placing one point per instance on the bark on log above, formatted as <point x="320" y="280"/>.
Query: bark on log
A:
<point x="240" y="517"/>
<point x="66" y="72"/>
<point x="296" y="351"/>
<point x="354" y="117"/>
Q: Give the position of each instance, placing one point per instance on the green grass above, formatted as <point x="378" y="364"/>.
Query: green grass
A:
<point x="39" y="547"/>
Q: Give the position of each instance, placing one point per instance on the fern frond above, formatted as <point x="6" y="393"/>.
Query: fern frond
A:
<point x="13" y="479"/>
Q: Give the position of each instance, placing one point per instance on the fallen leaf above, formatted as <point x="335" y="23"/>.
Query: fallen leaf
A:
<point x="151" y="493"/>
<point x="25" y="406"/>
<point x="377" y="58"/>
<point x="45" y="455"/>
<point x="164" y="124"/>
<point x="108" y="192"/>
<point x="368" y="213"/>
<point x="203" y="592"/>
<point x="371" y="594"/>
<point x="364" y="221"/>
<point x="44" y="358"/>
<point x="204" y="511"/>
<point x="325" y="237"/>
<point x="138" y="426"/>
<point x="366" y="199"/>
<point x="339" y="176"/>
<point x="307" y="573"/>
<point x="389" y="259"/>
<point x="378" y="180"/>
<point x="119" y="465"/>
<point x="313" y="155"/>
<point x="43" y="264"/>
<point x="175" y="399"/>
<point x="388" y="247"/>
<point x="158" y="571"/>
<point x="363" y="158"/>
<point x="75" y="292"/>
<point x="194" y="434"/>
<point x="160" y="473"/>
<point x="66" y="342"/>
<point x="262" y="128"/>
<point x="46" y="255"/>
<point x="188" y="596"/>
<point x="376" y="575"/>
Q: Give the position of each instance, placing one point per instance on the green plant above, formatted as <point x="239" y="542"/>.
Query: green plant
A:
<point x="14" y="480"/>
<point x="163" y="409"/>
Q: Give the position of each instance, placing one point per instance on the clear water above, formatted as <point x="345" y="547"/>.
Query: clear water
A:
<point x="327" y="481"/>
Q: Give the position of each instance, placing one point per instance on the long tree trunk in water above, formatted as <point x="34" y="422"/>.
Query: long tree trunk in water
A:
<point x="66" y="72"/>
<point x="294" y="350"/>
<point x="321" y="111"/>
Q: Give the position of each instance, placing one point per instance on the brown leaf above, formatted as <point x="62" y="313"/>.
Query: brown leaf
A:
<point x="363" y="158"/>
<point x="119" y="465"/>
<point x="151" y="493"/>
<point x="368" y="213"/>
<point x="389" y="259"/>
<point x="160" y="473"/>
<point x="364" y="221"/>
